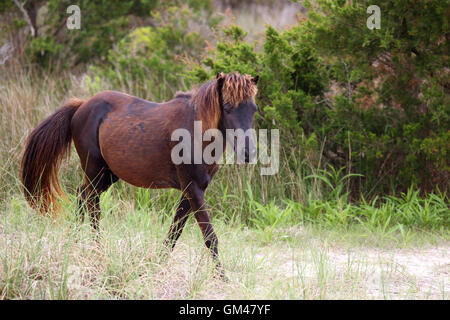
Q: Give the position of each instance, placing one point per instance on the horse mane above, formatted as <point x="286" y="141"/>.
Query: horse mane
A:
<point x="205" y="99"/>
<point x="183" y="95"/>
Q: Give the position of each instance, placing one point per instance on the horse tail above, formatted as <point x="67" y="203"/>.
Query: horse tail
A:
<point x="46" y="146"/>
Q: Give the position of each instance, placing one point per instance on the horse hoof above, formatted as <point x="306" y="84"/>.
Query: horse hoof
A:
<point x="220" y="275"/>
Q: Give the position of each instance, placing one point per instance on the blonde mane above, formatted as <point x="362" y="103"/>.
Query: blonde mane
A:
<point x="235" y="88"/>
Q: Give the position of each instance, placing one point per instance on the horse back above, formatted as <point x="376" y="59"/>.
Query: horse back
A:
<point x="132" y="136"/>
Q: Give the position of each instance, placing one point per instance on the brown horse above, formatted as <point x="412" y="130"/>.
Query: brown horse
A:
<point x="118" y="136"/>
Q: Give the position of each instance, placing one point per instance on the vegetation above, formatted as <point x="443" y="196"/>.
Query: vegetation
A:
<point x="389" y="117"/>
<point x="364" y="126"/>
<point x="45" y="259"/>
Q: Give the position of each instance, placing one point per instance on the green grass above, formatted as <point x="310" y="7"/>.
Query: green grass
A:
<point x="295" y="235"/>
<point x="43" y="258"/>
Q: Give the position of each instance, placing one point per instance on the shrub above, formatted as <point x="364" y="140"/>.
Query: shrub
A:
<point x="150" y="61"/>
<point x="376" y="100"/>
<point x="391" y="115"/>
<point x="103" y="24"/>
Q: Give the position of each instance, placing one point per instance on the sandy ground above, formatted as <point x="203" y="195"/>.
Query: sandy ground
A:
<point x="419" y="273"/>
<point x="316" y="270"/>
<point x="302" y="266"/>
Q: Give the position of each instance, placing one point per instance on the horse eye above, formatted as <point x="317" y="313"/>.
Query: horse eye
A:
<point x="228" y="109"/>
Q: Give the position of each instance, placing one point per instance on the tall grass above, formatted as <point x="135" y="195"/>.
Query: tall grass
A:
<point x="299" y="193"/>
<point x="41" y="258"/>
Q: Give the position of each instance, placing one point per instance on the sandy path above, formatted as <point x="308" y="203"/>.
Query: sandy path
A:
<point x="369" y="273"/>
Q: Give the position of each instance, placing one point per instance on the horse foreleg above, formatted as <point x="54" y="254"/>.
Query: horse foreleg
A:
<point x="197" y="200"/>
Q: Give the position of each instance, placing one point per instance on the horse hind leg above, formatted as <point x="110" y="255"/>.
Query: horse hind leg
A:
<point x="81" y="193"/>
<point x="98" y="178"/>
<point x="179" y="221"/>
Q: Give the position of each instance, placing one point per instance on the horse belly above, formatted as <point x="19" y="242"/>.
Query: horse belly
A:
<point x="137" y="156"/>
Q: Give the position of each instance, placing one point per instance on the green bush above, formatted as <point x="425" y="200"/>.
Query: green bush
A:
<point x="373" y="100"/>
<point x="103" y="24"/>
<point x="151" y="61"/>
<point x="392" y="113"/>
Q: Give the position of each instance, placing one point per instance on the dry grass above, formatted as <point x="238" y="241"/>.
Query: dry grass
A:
<point x="46" y="259"/>
<point x="253" y="17"/>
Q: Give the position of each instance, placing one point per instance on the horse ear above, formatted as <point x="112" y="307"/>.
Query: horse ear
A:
<point x="220" y="79"/>
<point x="255" y="79"/>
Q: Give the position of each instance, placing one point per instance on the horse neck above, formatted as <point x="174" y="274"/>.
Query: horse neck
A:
<point x="208" y="120"/>
<point x="219" y="126"/>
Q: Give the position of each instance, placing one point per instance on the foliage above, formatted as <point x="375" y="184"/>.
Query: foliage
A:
<point x="376" y="99"/>
<point x="103" y="24"/>
<point x="156" y="56"/>
<point x="384" y="215"/>
<point x="100" y="28"/>
<point x="393" y="111"/>
<point x="374" y="102"/>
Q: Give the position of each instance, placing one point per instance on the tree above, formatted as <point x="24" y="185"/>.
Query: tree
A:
<point x="397" y="78"/>
<point x="377" y="100"/>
